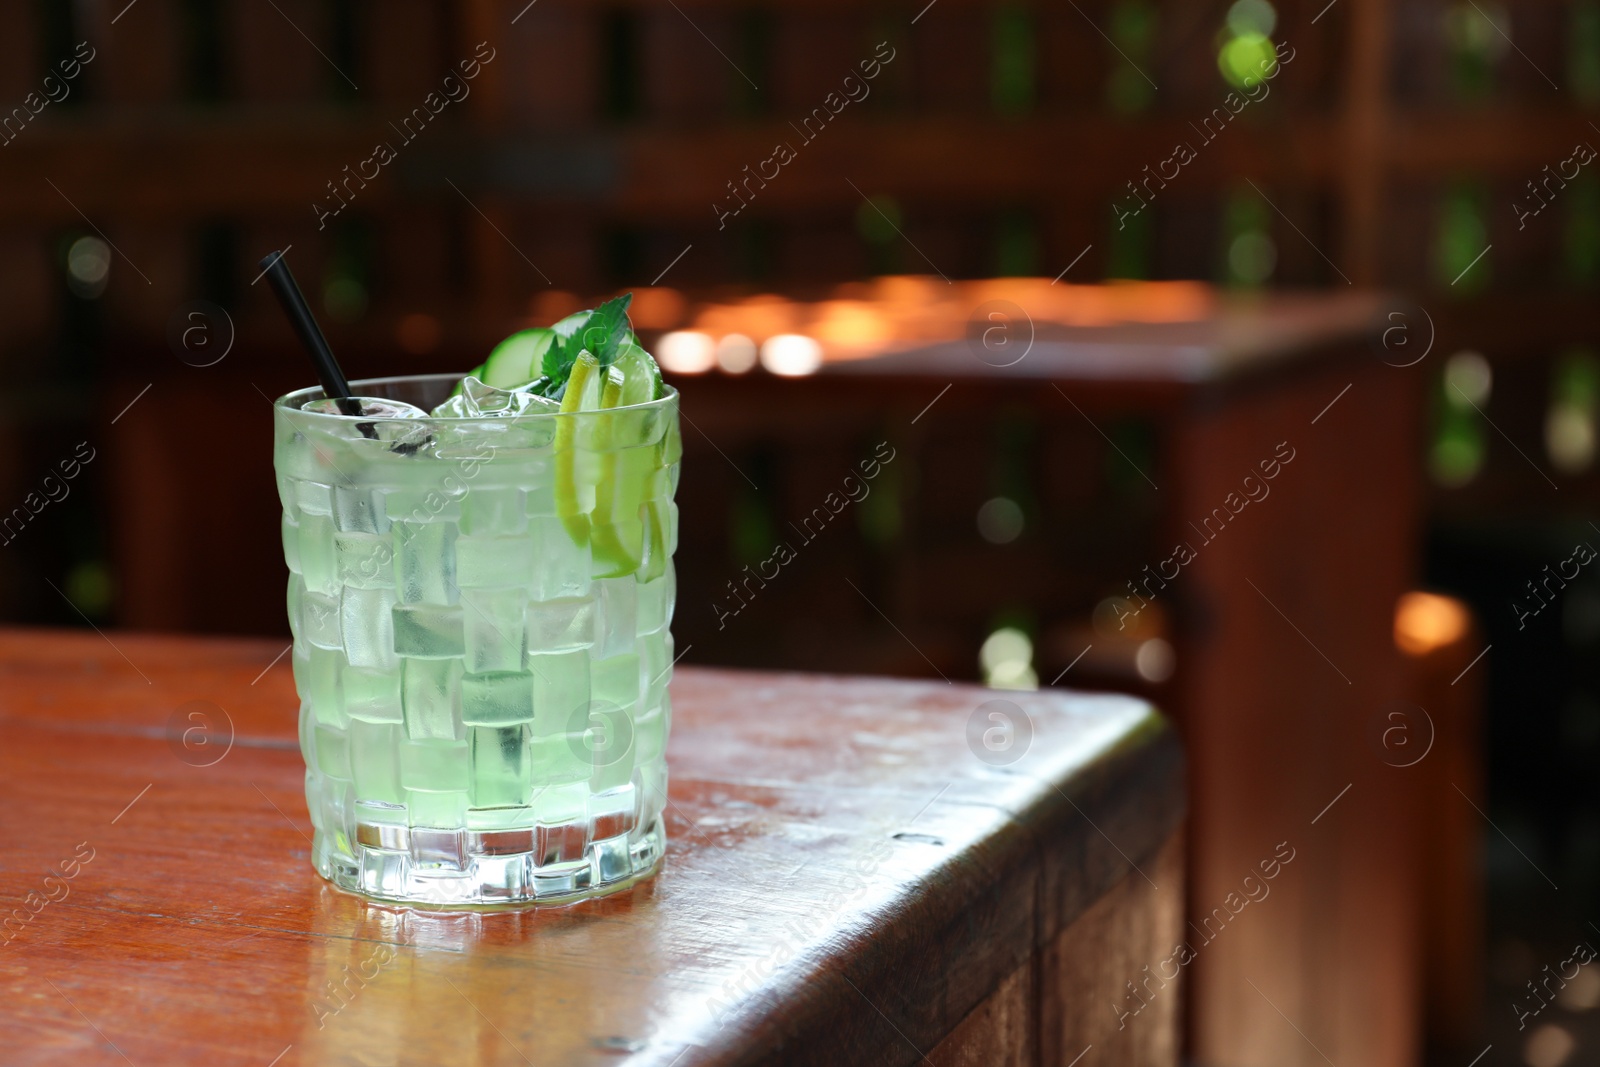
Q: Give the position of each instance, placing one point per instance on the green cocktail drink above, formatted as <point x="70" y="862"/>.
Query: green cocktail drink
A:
<point x="480" y="608"/>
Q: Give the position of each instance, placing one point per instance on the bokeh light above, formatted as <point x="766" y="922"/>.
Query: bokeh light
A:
<point x="686" y="352"/>
<point x="1000" y="521"/>
<point x="736" y="353"/>
<point x="88" y="266"/>
<point x="791" y="355"/>
<point x="1007" y="660"/>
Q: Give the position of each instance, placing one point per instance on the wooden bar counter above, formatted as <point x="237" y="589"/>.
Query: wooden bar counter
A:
<point x="847" y="882"/>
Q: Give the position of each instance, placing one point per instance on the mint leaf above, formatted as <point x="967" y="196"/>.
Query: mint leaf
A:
<point x="559" y="357"/>
<point x="600" y="331"/>
<point x="607" y="329"/>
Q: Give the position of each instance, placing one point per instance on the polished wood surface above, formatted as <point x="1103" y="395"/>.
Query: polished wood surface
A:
<point x="1450" y="834"/>
<point x="1285" y="645"/>
<point x="846" y="883"/>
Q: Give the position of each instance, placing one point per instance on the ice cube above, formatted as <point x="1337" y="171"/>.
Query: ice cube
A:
<point x="375" y="760"/>
<point x="655" y="602"/>
<point x="560" y="625"/>
<point x="609" y="744"/>
<point x="540" y="487"/>
<point x="390" y="423"/>
<point x="617" y="617"/>
<point x="319" y="620"/>
<point x="372" y="407"/>
<point x="421" y="504"/>
<point x="501" y="766"/>
<point x="317" y="553"/>
<point x="655" y="665"/>
<point x="359" y="509"/>
<point x="437" y="809"/>
<point x="425" y="561"/>
<point x="364" y="560"/>
<point x="616" y="680"/>
<point x="333" y="752"/>
<point x="649" y="736"/>
<point x="316" y="679"/>
<point x="502" y="562"/>
<point x="561" y="562"/>
<point x="493" y="622"/>
<point x="313" y="497"/>
<point x="497" y="698"/>
<point x="434" y="766"/>
<point x="490" y="511"/>
<point x="367" y="626"/>
<point x="371" y="695"/>
<point x="428" y="695"/>
<point x="561" y="767"/>
<point x="428" y="631"/>
<point x="479" y="400"/>
<point x="560" y="691"/>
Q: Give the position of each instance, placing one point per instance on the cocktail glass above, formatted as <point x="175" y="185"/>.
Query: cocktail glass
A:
<point x="480" y="611"/>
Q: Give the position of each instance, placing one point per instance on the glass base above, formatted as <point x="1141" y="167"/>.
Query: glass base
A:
<point x="456" y="873"/>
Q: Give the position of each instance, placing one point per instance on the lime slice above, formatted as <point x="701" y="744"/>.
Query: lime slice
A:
<point x="624" y="527"/>
<point x="617" y="526"/>
<point x="611" y="390"/>
<point x="656" y="549"/>
<point x="642" y="378"/>
<point x="583" y="390"/>
<point x="583" y="394"/>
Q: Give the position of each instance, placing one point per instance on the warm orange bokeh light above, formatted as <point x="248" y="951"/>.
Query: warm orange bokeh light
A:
<point x="1425" y="622"/>
<point x="656" y="308"/>
<point x="553" y="305"/>
<point x="865" y="319"/>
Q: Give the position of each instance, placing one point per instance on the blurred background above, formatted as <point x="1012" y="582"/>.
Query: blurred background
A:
<point x="1080" y="282"/>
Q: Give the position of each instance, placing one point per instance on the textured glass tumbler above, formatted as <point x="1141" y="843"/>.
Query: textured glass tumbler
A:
<point x="480" y="611"/>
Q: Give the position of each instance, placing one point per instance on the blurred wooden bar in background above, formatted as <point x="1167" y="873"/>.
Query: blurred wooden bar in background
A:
<point x="1268" y="437"/>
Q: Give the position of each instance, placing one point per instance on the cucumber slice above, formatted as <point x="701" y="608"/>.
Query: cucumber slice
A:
<point x="569" y="325"/>
<point x="518" y="359"/>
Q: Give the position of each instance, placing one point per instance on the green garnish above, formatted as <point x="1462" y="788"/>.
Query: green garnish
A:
<point x="540" y="360"/>
<point x="588" y="367"/>
<point x="518" y="358"/>
<point x="601" y="331"/>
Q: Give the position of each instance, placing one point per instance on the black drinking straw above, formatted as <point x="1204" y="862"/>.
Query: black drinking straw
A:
<point x="305" y="326"/>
